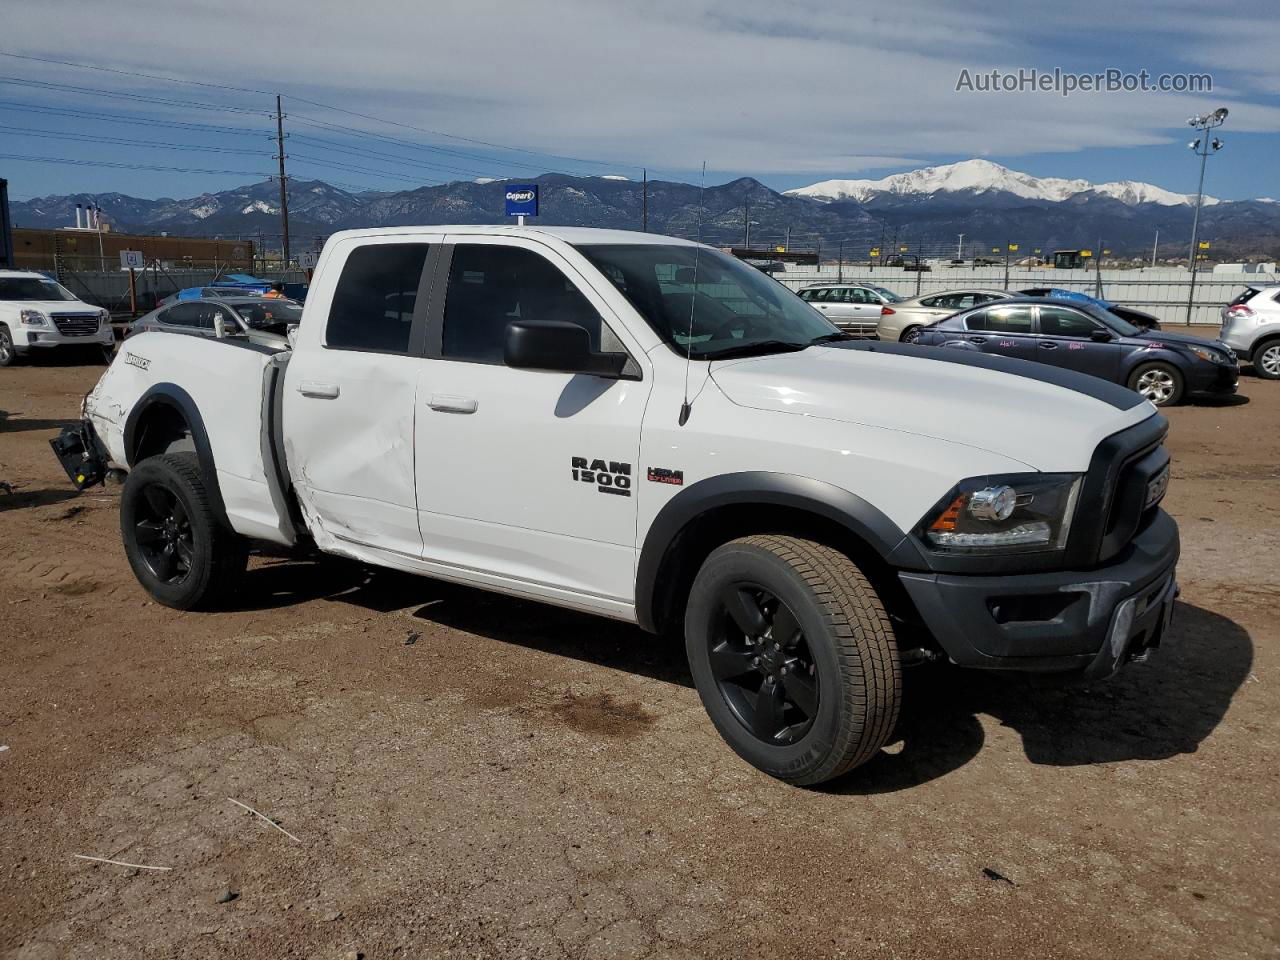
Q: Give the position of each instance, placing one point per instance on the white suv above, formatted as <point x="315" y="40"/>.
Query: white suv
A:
<point x="37" y="313"/>
<point x="1251" y="327"/>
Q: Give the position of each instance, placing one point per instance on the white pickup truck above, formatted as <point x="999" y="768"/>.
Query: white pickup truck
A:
<point x="38" y="315"/>
<point x="648" y="429"/>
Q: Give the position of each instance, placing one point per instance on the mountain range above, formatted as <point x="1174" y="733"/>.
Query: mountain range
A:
<point x="925" y="209"/>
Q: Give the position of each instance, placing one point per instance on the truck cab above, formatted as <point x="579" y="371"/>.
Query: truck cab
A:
<point x="38" y="315"/>
<point x="647" y="429"/>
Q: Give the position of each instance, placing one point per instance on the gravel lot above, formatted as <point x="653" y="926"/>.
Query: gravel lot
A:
<point x="472" y="776"/>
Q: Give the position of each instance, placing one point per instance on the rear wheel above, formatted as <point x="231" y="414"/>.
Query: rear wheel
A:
<point x="793" y="656"/>
<point x="911" y="335"/>
<point x="1161" y="383"/>
<point x="1266" y="361"/>
<point x="178" y="549"/>
<point x="8" y="355"/>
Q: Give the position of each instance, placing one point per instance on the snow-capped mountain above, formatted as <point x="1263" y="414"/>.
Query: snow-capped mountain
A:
<point x="976" y="177"/>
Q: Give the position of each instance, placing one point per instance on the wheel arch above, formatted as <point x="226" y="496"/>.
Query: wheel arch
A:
<point x="714" y="511"/>
<point x="163" y="414"/>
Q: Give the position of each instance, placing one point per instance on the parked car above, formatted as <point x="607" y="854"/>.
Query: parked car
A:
<point x="264" y="319"/>
<point x="902" y="321"/>
<point x="233" y="290"/>
<point x="564" y="416"/>
<point x="1163" y="367"/>
<point x="1139" y="318"/>
<point x="38" y="315"/>
<point x="853" y="307"/>
<point x="1251" y="327"/>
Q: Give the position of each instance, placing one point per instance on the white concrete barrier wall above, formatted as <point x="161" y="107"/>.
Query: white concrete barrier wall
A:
<point x="1161" y="292"/>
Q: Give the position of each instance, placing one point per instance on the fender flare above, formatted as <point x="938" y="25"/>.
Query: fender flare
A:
<point x="173" y="396"/>
<point x="846" y="510"/>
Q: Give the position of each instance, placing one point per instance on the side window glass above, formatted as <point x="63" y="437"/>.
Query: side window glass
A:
<point x="375" y="298"/>
<point x="181" y="315"/>
<point x="1060" y="322"/>
<point x="1016" y="319"/>
<point x="490" y="286"/>
<point x="933" y="302"/>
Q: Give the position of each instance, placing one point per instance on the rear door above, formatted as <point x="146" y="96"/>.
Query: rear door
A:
<point x="1065" y="339"/>
<point x="351" y="389"/>
<point x="528" y="478"/>
<point x="1004" y="330"/>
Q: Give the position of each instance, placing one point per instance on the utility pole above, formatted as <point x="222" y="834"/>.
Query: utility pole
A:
<point x="746" y="222"/>
<point x="1201" y="145"/>
<point x="839" y="264"/>
<point x="1154" y="246"/>
<point x="1097" y="271"/>
<point x="787" y="244"/>
<point x="960" y="248"/>
<point x="644" y="200"/>
<point x="284" y="186"/>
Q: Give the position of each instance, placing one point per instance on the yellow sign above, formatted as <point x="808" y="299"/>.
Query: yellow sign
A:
<point x="1204" y="244"/>
<point x="903" y="248"/>
<point x="1037" y="250"/>
<point x="1013" y="248"/>
<point x="1106" y="253"/>
<point x="875" y="251"/>
<point x="995" y="249"/>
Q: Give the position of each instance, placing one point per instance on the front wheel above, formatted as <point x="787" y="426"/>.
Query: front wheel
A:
<point x="793" y="656"/>
<point x="178" y="549"/>
<point x="1159" y="382"/>
<point x="8" y="355"/>
<point x="1266" y="362"/>
<point x="910" y="335"/>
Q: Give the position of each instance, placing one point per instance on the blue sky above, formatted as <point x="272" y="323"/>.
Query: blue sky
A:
<point x="790" y="94"/>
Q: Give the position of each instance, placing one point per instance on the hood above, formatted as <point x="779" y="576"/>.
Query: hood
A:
<point x="57" y="306"/>
<point x="1048" y="418"/>
<point x="1154" y="337"/>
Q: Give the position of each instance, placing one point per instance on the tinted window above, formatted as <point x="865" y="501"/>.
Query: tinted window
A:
<point x="373" y="304"/>
<point x="858" y="295"/>
<point x="1059" y="322"/>
<point x="186" y="314"/>
<point x="269" y="314"/>
<point x="1015" y="319"/>
<point x="491" y="285"/>
<point x="809" y="294"/>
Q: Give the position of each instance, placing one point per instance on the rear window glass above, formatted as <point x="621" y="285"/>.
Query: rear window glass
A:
<point x="376" y="295"/>
<point x="1249" y="294"/>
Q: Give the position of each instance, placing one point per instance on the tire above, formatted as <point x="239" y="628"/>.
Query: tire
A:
<point x="1159" y="382"/>
<point x="8" y="354"/>
<point x="911" y="334"/>
<point x="1266" y="360"/>
<point x="834" y="687"/>
<point x="178" y="549"/>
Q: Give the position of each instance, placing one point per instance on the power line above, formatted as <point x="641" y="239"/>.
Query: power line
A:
<point x="163" y="101"/>
<point x="129" y="118"/>
<point x="306" y="158"/>
<point x="130" y="166"/>
<point x="132" y="73"/>
<point x="92" y="138"/>
<point x="330" y="145"/>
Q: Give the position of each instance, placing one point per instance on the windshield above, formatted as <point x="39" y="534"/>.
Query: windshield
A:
<point x="33" y="288"/>
<point x="1120" y="325"/>
<point x="269" y="314"/>
<point x="730" y="308"/>
<point x="888" y="295"/>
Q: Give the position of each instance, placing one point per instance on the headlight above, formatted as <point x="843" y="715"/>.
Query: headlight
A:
<point x="1208" y="353"/>
<point x="104" y="317"/>
<point x="1017" y="513"/>
<point x="34" y="318"/>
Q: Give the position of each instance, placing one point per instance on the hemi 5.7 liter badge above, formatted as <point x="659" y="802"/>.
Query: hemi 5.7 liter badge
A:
<point x="663" y="475"/>
<point x="609" y="476"/>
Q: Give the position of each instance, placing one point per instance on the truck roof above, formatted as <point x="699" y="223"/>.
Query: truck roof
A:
<point x="573" y="235"/>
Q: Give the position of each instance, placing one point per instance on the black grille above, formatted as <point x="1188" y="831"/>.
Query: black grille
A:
<point x="76" y="324"/>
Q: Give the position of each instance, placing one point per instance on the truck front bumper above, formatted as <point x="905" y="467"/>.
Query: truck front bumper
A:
<point x="1086" y="623"/>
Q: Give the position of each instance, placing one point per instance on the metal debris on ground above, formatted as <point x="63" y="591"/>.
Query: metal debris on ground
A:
<point x="993" y="875"/>
<point x="119" y="863"/>
<point x="264" y="818"/>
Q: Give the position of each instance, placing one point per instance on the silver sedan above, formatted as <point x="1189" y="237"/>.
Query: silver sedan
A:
<point x="902" y="321"/>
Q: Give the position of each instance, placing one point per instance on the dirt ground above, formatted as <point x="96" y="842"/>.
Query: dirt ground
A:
<point x="465" y="775"/>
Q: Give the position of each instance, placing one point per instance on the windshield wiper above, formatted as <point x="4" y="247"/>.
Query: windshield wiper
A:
<point x="828" y="337"/>
<point x="753" y="348"/>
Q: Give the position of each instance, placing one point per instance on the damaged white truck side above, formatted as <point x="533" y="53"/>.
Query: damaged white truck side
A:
<point x="648" y="429"/>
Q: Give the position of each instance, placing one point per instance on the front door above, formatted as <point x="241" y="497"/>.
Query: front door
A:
<point x="349" y="398"/>
<point x="526" y="477"/>
<point x="1066" y="340"/>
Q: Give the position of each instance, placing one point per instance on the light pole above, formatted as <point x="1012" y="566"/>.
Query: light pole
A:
<point x="1201" y="145"/>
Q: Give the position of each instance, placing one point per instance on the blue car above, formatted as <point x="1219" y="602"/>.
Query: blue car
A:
<point x="1139" y="318"/>
<point x="1163" y="367"/>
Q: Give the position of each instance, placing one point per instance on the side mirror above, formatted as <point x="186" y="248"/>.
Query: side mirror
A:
<point x="558" y="347"/>
<point x="1101" y="336"/>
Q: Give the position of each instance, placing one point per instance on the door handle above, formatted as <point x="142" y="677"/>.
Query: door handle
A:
<point x="977" y="339"/>
<point x="446" y="404"/>
<point x="1044" y="345"/>
<point x="321" y="391"/>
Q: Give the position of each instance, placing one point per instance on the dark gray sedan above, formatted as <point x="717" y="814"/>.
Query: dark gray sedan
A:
<point x="264" y="319"/>
<point x="1164" y="367"/>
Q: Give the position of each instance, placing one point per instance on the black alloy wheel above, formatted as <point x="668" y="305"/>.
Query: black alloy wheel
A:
<point x="162" y="531"/>
<point x="762" y="664"/>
